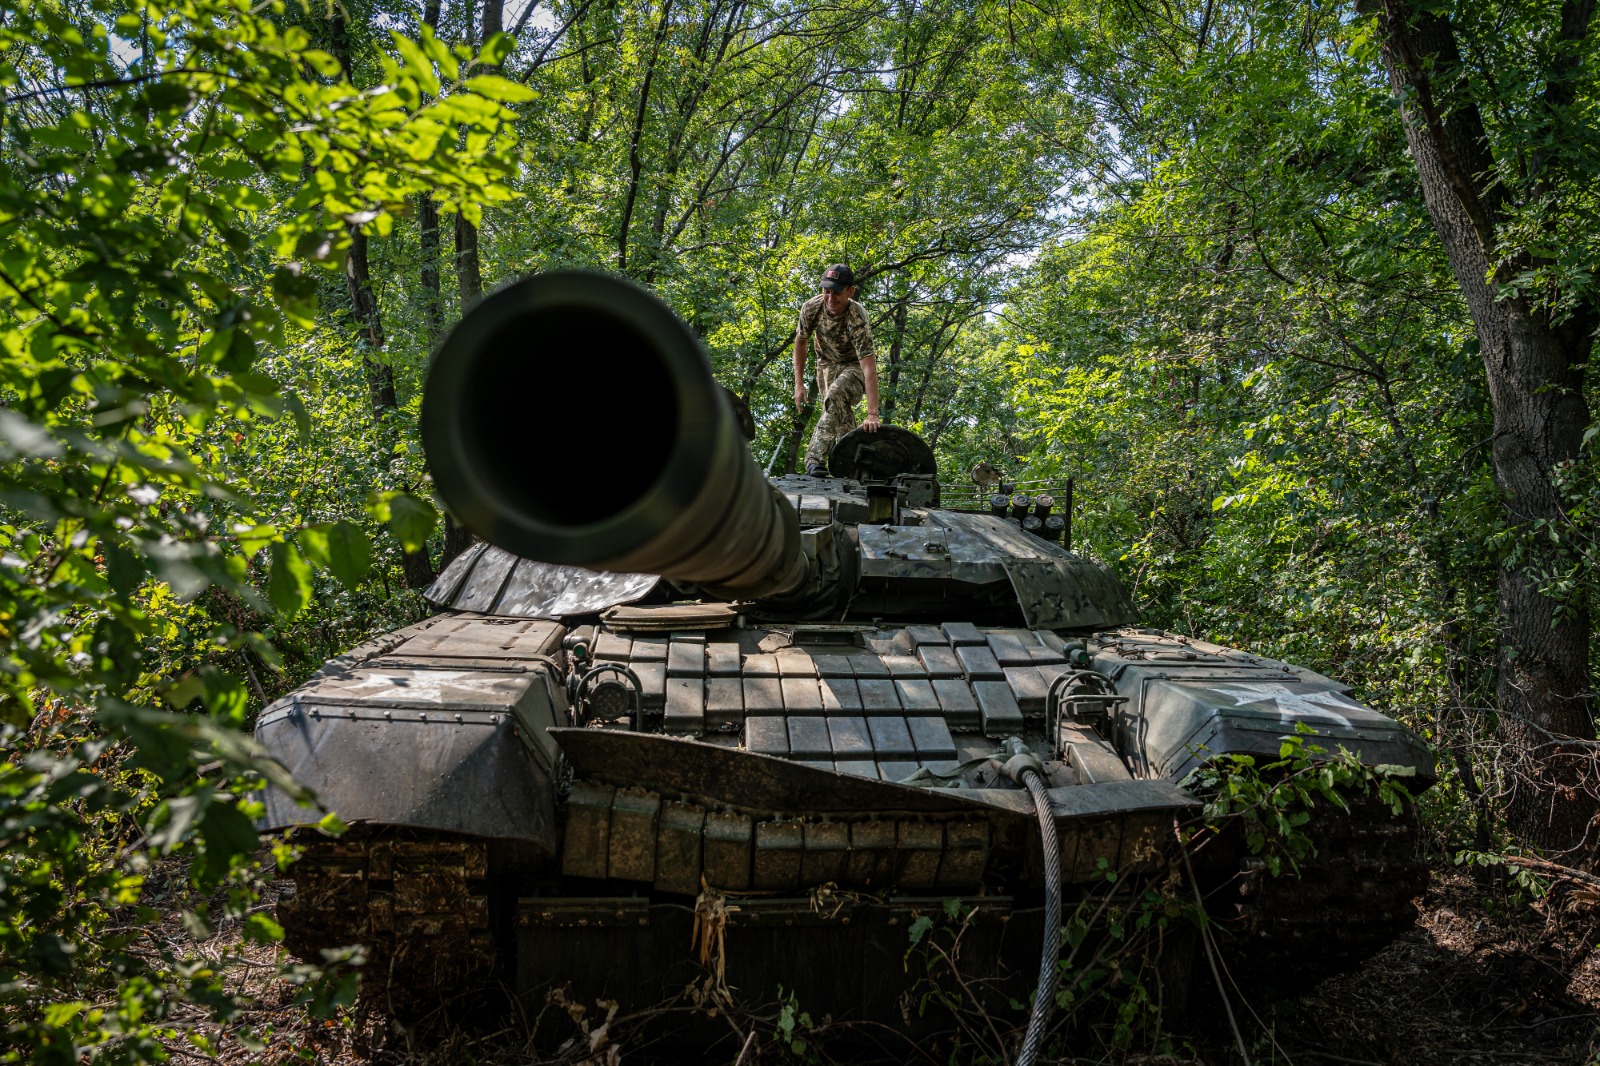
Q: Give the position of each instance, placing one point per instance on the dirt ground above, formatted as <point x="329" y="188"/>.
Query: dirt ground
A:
<point x="1469" y="984"/>
<point x="1474" y="982"/>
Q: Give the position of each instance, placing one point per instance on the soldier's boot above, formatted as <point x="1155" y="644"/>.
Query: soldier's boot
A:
<point x="816" y="470"/>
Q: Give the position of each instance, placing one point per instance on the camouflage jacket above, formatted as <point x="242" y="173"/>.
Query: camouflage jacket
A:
<point x="839" y="341"/>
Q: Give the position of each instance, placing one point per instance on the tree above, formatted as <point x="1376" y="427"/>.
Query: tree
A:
<point x="469" y="271"/>
<point x="1508" y="157"/>
<point x="1248" y="349"/>
<point x="428" y="232"/>
<point x="164" y="225"/>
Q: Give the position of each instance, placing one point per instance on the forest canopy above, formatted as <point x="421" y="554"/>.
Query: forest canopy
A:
<point x="1300" y="294"/>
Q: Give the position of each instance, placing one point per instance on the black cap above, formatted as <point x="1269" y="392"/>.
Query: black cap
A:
<point x="838" y="278"/>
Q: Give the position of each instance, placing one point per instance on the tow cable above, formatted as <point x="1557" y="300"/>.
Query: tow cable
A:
<point x="1023" y="767"/>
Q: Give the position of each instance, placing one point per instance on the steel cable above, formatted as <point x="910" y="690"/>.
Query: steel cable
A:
<point x="1044" y="999"/>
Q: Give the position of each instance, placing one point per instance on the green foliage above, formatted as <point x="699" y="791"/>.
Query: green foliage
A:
<point x="163" y="225"/>
<point x="1277" y="798"/>
<point x="793" y="1030"/>
<point x="1252" y="362"/>
<point x="1251" y="352"/>
<point x="1112" y="969"/>
<point x="1522" y="885"/>
<point x="1111" y="965"/>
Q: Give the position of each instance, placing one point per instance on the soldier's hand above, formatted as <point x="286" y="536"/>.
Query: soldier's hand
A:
<point x="799" y="395"/>
<point x="871" y="424"/>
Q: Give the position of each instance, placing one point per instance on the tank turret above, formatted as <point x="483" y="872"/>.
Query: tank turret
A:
<point x="681" y="681"/>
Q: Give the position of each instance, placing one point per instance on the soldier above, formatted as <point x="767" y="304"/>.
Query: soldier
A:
<point x="846" y="363"/>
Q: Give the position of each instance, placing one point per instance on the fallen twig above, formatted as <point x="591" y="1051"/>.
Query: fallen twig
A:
<point x="1555" y="869"/>
<point x="1338" y="1058"/>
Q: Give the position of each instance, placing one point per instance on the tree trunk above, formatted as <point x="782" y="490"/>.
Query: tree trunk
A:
<point x="432" y="297"/>
<point x="364" y="309"/>
<point x="428" y="235"/>
<point x="469" y="275"/>
<point x="381" y="397"/>
<point x="358" y="273"/>
<point x="1535" y="376"/>
<point x="635" y="160"/>
<point x="416" y="567"/>
<point x="896" y="353"/>
<point x="457" y="539"/>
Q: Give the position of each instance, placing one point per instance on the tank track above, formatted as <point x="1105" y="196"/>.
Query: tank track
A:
<point x="1349" y="900"/>
<point x="419" y="904"/>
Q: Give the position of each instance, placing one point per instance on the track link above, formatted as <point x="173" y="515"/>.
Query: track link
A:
<point x="1349" y="900"/>
<point x="418" y="905"/>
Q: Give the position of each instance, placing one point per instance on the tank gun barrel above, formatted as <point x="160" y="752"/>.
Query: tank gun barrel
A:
<point x="501" y="419"/>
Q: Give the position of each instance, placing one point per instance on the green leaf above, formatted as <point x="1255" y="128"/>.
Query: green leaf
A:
<point x="240" y="354"/>
<point x="168" y="94"/>
<point x="497" y="49"/>
<point x="465" y="108"/>
<point x="260" y="929"/>
<point x="503" y="90"/>
<point x="412" y="520"/>
<point x="228" y="168"/>
<point x="289" y="584"/>
<point x="52" y="953"/>
<point x="59" y="1014"/>
<point x="125" y="569"/>
<point x="21" y="439"/>
<point x="228" y="834"/>
<point x="322" y="62"/>
<point x="416" y="64"/>
<point x="340" y="548"/>
<point x="295" y="293"/>
<point x="174" y="819"/>
<point x="253" y="538"/>
<point x="298" y="413"/>
<point x="66" y="137"/>
<point x="439" y="53"/>
<point x="225" y="695"/>
<point x="185" y="691"/>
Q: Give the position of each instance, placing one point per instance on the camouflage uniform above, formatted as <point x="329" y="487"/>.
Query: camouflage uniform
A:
<point x="841" y="342"/>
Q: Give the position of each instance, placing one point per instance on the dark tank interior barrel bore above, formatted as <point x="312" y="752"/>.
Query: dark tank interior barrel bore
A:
<point x="522" y="418"/>
<point x="524" y="386"/>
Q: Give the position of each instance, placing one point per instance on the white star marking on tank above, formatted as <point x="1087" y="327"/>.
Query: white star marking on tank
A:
<point x="1293" y="706"/>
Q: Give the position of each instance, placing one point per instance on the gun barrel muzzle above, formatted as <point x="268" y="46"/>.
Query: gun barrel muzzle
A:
<point x="573" y="360"/>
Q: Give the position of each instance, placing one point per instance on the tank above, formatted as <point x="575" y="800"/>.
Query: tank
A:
<point x="674" y="716"/>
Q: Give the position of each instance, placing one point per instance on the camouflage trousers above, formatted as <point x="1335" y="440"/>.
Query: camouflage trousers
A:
<point x="841" y="388"/>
